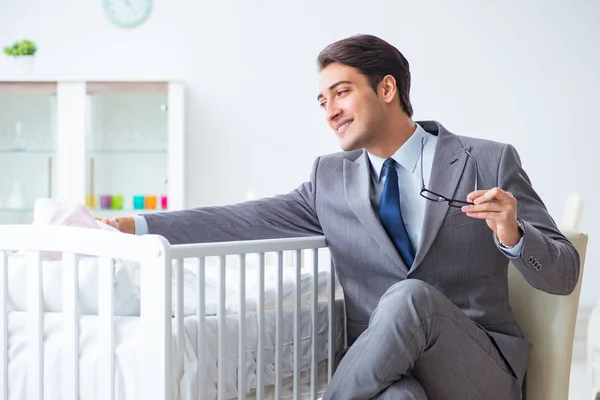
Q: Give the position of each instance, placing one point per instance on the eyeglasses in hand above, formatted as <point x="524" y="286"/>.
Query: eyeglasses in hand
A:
<point x="433" y="196"/>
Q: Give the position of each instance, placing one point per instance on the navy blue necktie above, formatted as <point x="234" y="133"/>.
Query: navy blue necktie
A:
<point x="390" y="215"/>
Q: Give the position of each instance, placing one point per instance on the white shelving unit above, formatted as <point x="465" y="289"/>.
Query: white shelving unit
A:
<point x="85" y="140"/>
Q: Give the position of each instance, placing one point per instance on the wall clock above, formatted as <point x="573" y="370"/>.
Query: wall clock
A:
<point x="127" y="13"/>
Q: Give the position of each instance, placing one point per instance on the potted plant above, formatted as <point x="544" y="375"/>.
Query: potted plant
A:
<point x="22" y="53"/>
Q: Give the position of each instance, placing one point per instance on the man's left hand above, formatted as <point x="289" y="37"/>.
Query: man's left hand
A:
<point x="499" y="209"/>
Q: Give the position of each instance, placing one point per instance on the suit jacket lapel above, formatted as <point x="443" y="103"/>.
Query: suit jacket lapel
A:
<point x="449" y="163"/>
<point x="357" y="187"/>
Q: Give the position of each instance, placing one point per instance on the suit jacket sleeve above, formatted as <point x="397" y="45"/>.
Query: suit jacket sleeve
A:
<point x="288" y="215"/>
<point x="549" y="262"/>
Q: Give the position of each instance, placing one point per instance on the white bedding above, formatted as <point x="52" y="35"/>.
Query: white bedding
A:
<point x="209" y="371"/>
<point x="127" y="284"/>
<point x="128" y="350"/>
<point x="186" y="372"/>
<point x="126" y="289"/>
<point x="62" y="213"/>
<point x="232" y="276"/>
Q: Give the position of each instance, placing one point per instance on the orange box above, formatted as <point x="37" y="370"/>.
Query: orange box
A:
<point x="150" y="202"/>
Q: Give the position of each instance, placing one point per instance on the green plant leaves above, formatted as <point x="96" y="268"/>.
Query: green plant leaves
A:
<point x="21" y="48"/>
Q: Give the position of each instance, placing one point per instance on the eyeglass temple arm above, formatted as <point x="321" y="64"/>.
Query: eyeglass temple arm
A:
<point x="476" y="167"/>
<point x="422" y="180"/>
<point x="466" y="151"/>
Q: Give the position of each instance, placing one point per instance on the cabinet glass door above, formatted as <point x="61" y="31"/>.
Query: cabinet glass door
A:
<point x="27" y="147"/>
<point x="127" y="146"/>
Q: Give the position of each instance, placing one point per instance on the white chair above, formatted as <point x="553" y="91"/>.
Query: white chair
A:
<point x="571" y="213"/>
<point x="548" y="323"/>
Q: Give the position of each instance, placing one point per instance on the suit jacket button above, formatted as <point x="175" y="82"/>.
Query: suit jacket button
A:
<point x="530" y="259"/>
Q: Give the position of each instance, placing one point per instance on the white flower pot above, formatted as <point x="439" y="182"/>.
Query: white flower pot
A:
<point x="23" y="65"/>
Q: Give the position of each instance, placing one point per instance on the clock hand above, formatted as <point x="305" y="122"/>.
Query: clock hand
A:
<point x="128" y="4"/>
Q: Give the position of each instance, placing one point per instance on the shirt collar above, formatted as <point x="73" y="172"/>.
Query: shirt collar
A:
<point x="407" y="155"/>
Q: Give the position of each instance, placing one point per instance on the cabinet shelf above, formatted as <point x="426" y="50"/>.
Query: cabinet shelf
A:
<point x="140" y="151"/>
<point x="103" y="212"/>
<point x="27" y="151"/>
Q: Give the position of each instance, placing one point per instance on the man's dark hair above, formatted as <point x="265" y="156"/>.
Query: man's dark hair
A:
<point x="373" y="57"/>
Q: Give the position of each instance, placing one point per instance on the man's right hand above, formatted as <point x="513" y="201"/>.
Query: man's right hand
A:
<point x="123" y="224"/>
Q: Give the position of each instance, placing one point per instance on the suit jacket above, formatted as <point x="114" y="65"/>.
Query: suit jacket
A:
<point x="458" y="255"/>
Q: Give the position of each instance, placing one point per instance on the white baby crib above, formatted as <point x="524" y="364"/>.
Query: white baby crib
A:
<point x="80" y="346"/>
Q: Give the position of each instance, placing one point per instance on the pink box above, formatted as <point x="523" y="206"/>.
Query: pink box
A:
<point x="164" y="202"/>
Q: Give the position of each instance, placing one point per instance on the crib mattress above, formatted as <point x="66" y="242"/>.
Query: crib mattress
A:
<point x="189" y="376"/>
<point x="206" y="378"/>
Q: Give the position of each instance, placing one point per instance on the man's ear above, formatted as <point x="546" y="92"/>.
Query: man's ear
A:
<point x="388" y="88"/>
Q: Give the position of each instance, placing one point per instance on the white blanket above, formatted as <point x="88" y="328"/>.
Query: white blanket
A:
<point x="128" y="359"/>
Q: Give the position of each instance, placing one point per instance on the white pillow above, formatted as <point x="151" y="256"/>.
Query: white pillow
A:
<point x="126" y="296"/>
<point x="232" y="278"/>
<point x="56" y="212"/>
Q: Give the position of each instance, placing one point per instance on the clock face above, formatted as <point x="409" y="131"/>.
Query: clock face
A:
<point x="127" y="13"/>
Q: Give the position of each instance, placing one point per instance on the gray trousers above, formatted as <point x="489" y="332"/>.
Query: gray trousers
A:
<point x="419" y="345"/>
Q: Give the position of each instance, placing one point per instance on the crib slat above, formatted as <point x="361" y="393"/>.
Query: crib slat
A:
<point x="297" y="304"/>
<point x="330" y="320"/>
<point x="179" y="308"/>
<point x="201" y="334"/>
<point x="70" y="363"/>
<point x="242" y="330"/>
<point x="35" y="328"/>
<point x="260" y="361"/>
<point x="106" y="329"/>
<point x="314" y="319"/>
<point x="221" y="342"/>
<point x="156" y="318"/>
<point x="4" y="325"/>
<point x="278" y="328"/>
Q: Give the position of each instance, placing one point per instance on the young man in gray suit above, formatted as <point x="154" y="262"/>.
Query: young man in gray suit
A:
<point x="421" y="224"/>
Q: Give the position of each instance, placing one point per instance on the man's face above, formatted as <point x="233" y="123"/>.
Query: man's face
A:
<point x="352" y="108"/>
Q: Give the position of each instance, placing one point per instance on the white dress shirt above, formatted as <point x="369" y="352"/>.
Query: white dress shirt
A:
<point x="408" y="167"/>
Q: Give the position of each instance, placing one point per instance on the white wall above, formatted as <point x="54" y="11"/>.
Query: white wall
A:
<point x="503" y="70"/>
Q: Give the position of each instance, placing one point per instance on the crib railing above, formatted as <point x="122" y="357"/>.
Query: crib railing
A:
<point x="152" y="252"/>
<point x="155" y="256"/>
<point x="261" y="247"/>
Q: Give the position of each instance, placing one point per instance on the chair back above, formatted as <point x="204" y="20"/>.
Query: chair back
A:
<point x="571" y="215"/>
<point x="548" y="323"/>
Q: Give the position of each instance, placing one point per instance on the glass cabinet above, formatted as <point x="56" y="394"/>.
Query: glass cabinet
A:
<point x="127" y="147"/>
<point x="116" y="146"/>
<point x="27" y="147"/>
